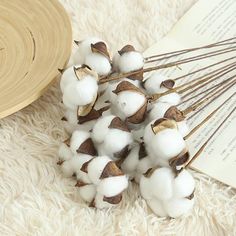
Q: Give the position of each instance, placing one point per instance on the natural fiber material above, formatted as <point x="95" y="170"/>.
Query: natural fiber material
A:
<point x="35" y="40"/>
<point x="37" y="200"/>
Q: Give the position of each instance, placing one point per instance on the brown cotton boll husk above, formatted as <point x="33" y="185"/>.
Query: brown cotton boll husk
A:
<point x="82" y="71"/>
<point x="163" y="123"/>
<point x="191" y="196"/>
<point x="174" y="113"/>
<point x="142" y="151"/>
<point x="111" y="170"/>
<point x="126" y="48"/>
<point x="137" y="76"/>
<point x="139" y="116"/>
<point x="180" y="160"/>
<point x="117" y="123"/>
<point x="92" y="115"/>
<point x="80" y="184"/>
<point x="114" y="199"/>
<point x="67" y="142"/>
<point x="127" y="86"/>
<point x="169" y="83"/>
<point x="123" y="153"/>
<point x="87" y="147"/>
<point x="85" y="110"/>
<point x="101" y="48"/>
<point x="84" y="167"/>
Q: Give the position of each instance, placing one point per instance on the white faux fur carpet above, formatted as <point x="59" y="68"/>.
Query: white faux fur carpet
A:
<point x="35" y="199"/>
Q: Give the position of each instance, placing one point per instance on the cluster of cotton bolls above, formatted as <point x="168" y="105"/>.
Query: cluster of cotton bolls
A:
<point x="118" y="133"/>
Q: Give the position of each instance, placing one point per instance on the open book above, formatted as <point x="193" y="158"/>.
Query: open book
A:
<point x="207" y="22"/>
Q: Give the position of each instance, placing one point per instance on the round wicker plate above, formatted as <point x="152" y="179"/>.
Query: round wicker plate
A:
<point x="35" y="40"/>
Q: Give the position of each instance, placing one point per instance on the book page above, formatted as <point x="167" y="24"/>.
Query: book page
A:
<point x="206" y="22"/>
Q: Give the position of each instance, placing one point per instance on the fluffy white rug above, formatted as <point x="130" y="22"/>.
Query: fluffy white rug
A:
<point x="35" y="199"/>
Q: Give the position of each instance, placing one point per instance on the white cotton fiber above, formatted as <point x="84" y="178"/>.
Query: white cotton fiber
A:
<point x="130" y="163"/>
<point x="177" y="207"/>
<point x="171" y="98"/>
<point x="129" y="102"/>
<point x="158" y="110"/>
<point x="80" y="93"/>
<point x="67" y="77"/>
<point x="148" y="133"/>
<point x="98" y="63"/>
<point x="87" y="192"/>
<point x="184" y="184"/>
<point x="95" y="168"/>
<point x="64" y="152"/>
<point x="142" y="167"/>
<point x="112" y="186"/>
<point x="183" y="128"/>
<point x="162" y="183"/>
<point x="115" y="62"/>
<point x="168" y="143"/>
<point x="116" y="140"/>
<point x="157" y="207"/>
<point x="145" y="187"/>
<point x="71" y="116"/>
<point x="77" y="138"/>
<point x="84" y="48"/>
<point x="71" y="166"/>
<point x="81" y="175"/>
<point x="153" y="83"/>
<point x="131" y="61"/>
<point x="101" y="129"/>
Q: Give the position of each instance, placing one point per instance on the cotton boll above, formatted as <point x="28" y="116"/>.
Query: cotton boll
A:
<point x="112" y="186"/>
<point x="145" y="187"/>
<point x="99" y="63"/>
<point x="142" y="167"/>
<point x="177" y="207"/>
<point x="84" y="48"/>
<point x="153" y="83"/>
<point x="87" y="192"/>
<point x="183" y="128"/>
<point x="80" y="93"/>
<point x="168" y="143"/>
<point x="184" y="184"/>
<point x="95" y="168"/>
<point x="130" y="163"/>
<point x="131" y="61"/>
<point x="64" y="152"/>
<point x="101" y="129"/>
<point x="172" y="98"/>
<point x="71" y="116"/>
<point x="77" y="138"/>
<point x="138" y="133"/>
<point x="158" y="110"/>
<point x="157" y="207"/>
<point x="67" y="77"/>
<point x="129" y="102"/>
<point x="116" y="140"/>
<point x="162" y="182"/>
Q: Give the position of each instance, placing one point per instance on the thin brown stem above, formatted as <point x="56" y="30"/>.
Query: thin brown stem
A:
<point x="198" y="94"/>
<point x="206" y="98"/>
<point x="209" y="139"/>
<point x="204" y="55"/>
<point x="117" y="76"/>
<point x="203" y="68"/>
<point x="208" y="117"/>
<point x="184" y="87"/>
<point x="220" y="43"/>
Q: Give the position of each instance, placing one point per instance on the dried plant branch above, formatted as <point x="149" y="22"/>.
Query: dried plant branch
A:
<point x="209" y="139"/>
<point x="207" y="97"/>
<point x="208" y="117"/>
<point x="174" y="53"/>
